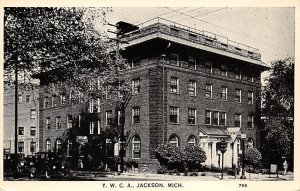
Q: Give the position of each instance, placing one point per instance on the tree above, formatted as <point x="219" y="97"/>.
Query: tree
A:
<point x="277" y="135"/>
<point x="252" y="157"/>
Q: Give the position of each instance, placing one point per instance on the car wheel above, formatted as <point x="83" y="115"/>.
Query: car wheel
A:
<point x="47" y="174"/>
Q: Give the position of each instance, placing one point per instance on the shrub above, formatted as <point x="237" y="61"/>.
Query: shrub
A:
<point x="169" y="155"/>
<point x="194" y="156"/>
<point x="252" y="157"/>
<point x="162" y="169"/>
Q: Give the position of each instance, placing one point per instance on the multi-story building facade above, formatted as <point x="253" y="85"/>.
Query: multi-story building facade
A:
<point x="28" y="125"/>
<point x="188" y="87"/>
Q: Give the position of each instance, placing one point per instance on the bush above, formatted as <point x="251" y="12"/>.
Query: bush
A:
<point x="252" y="157"/>
<point x="194" y="156"/>
<point x="161" y="169"/>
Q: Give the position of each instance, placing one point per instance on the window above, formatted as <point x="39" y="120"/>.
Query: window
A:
<point x="174" y="85"/>
<point x="250" y="143"/>
<point x="21" y="131"/>
<point x="32" y="146"/>
<point x="192" y="88"/>
<point x="224" y="93"/>
<point x="174" y="114"/>
<point x="174" y="140"/>
<point x="62" y="99"/>
<point x="58" y="123"/>
<point x="21" y="146"/>
<point x="32" y="114"/>
<point x="108" y="117"/>
<point x="58" y="145"/>
<point x="121" y="119"/>
<point x="192" y="140"/>
<point x="69" y="121"/>
<point x="136" y="86"/>
<point x="174" y="59"/>
<point x="32" y="131"/>
<point x="95" y="127"/>
<point x="192" y="63"/>
<point x="48" y="123"/>
<point x="79" y="120"/>
<point x="20" y="99"/>
<point x="215" y="118"/>
<point x="208" y="67"/>
<point x="27" y="99"/>
<point x="53" y="101"/>
<point x="237" y="73"/>
<point x="94" y="105"/>
<point x="72" y="97"/>
<point x="46" y="102"/>
<point x="207" y="117"/>
<point x="136" y="115"/>
<point x="238" y="95"/>
<point x="250" y="121"/>
<point x="69" y="148"/>
<point x="208" y="91"/>
<point x="237" y="120"/>
<point x="222" y="118"/>
<point x="251" y="77"/>
<point x="136" y="147"/>
<point x="250" y="97"/>
<point x="192" y="116"/>
<point x="48" y="145"/>
<point x="223" y="70"/>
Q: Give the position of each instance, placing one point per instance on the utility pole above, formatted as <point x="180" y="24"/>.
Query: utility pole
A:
<point x="16" y="118"/>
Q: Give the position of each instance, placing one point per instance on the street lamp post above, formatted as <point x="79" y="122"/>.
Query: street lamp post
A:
<point x="243" y="137"/>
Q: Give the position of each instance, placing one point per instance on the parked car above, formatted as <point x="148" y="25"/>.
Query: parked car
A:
<point x="50" y="164"/>
<point x="9" y="163"/>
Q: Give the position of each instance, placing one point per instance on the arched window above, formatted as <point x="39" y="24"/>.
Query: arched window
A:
<point x="58" y="145"/>
<point x="69" y="148"/>
<point x="192" y="140"/>
<point x="250" y="143"/>
<point x="174" y="140"/>
<point x="48" y="145"/>
<point x="136" y="147"/>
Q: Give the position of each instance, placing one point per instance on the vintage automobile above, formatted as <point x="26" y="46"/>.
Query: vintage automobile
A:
<point x="50" y="164"/>
<point x="9" y="163"/>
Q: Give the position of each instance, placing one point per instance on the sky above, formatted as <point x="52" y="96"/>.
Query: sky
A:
<point x="270" y="29"/>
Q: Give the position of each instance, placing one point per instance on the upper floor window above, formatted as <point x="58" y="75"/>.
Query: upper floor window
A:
<point x="46" y="102"/>
<point x="27" y="99"/>
<point x="72" y="97"/>
<point x="192" y="63"/>
<point x="237" y="120"/>
<point x="21" y="131"/>
<point x="192" y="88"/>
<point x="224" y="93"/>
<point x="208" y="91"/>
<point x="238" y="95"/>
<point x="95" y="127"/>
<point x="250" y="121"/>
<point x="208" y="117"/>
<point x="223" y="70"/>
<point x="48" y="145"/>
<point x="237" y="73"/>
<point x="32" y="114"/>
<point x="174" y="85"/>
<point x="62" y="99"/>
<point x="48" y="125"/>
<point x="136" y="115"/>
<point x="32" y="131"/>
<point x="192" y="116"/>
<point x="108" y="117"/>
<point x="250" y="97"/>
<point x="94" y="105"/>
<point x="58" y="123"/>
<point x="20" y="98"/>
<point x="69" y="121"/>
<point x="32" y="147"/>
<point x="53" y="101"/>
<point x="174" y="59"/>
<point x="174" y="114"/>
<point x="21" y="146"/>
<point x="222" y="118"/>
<point x="136" y="86"/>
<point x="136" y="147"/>
<point x="208" y="67"/>
<point x="215" y="118"/>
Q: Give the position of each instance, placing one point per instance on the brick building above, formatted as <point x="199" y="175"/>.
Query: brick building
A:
<point x="188" y="87"/>
<point x="27" y="120"/>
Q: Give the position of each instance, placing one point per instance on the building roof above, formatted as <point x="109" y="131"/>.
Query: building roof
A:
<point x="173" y="32"/>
